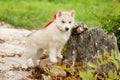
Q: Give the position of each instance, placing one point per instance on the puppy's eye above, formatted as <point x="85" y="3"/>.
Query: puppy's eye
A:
<point x="63" y="21"/>
<point x="69" y="21"/>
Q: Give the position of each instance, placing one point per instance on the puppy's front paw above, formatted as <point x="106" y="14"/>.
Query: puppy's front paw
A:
<point x="60" y="56"/>
<point x="54" y="60"/>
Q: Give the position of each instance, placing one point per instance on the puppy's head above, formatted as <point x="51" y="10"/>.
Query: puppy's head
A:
<point x="65" y="20"/>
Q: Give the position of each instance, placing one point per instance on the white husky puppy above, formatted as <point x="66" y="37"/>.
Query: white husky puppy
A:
<point x="51" y="38"/>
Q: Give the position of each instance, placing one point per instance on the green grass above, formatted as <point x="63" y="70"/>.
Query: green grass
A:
<point x="34" y="14"/>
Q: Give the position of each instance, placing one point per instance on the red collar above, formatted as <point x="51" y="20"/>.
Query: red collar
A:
<point x="60" y="29"/>
<point x="52" y="22"/>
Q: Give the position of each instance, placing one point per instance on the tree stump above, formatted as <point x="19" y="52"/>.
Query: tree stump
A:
<point x="85" y="45"/>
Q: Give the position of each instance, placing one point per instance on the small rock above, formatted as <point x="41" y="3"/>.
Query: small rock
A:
<point x="46" y="77"/>
<point x="57" y="72"/>
<point x="2" y="41"/>
<point x="46" y="64"/>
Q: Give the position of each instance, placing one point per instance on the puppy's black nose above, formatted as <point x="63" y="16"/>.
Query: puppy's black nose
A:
<point x="66" y="29"/>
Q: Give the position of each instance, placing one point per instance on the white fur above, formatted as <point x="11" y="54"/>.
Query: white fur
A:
<point x="52" y="38"/>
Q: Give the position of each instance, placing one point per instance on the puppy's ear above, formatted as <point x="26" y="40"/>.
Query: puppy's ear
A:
<point x="59" y="14"/>
<point x="73" y="13"/>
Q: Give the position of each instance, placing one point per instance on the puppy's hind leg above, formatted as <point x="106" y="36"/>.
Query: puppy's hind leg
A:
<point x="29" y="53"/>
<point x="36" y="57"/>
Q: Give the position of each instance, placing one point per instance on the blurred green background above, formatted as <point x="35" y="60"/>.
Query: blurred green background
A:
<point x="34" y="14"/>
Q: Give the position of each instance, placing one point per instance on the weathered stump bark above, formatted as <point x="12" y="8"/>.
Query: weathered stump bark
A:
<point x="88" y="44"/>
